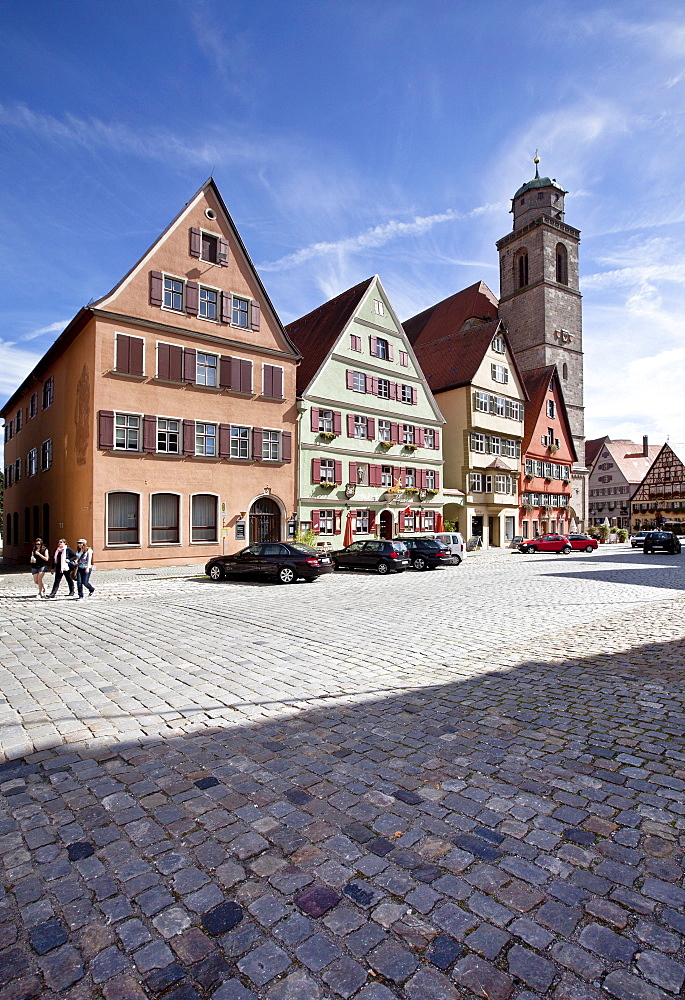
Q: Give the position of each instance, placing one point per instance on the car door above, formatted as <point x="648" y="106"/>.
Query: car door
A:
<point x="351" y="556"/>
<point x="370" y="554"/>
<point x="247" y="561"/>
<point x="273" y="555"/>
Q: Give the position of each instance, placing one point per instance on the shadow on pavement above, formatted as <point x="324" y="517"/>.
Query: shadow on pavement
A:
<point x="513" y="832"/>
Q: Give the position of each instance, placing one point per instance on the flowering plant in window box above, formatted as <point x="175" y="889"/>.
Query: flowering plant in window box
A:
<point x="527" y="507"/>
<point x="410" y="489"/>
<point x="326" y="484"/>
<point x="386" y="445"/>
<point x="327" y="435"/>
<point x="548" y="479"/>
<point x="566" y="482"/>
<point x="529" y="476"/>
<point x="411" y="447"/>
<point x="432" y="491"/>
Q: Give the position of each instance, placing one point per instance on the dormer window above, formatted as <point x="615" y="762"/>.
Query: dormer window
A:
<point x="210" y="248"/>
<point x="498" y="344"/>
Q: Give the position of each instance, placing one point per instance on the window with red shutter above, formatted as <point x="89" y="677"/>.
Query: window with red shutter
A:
<point x="189" y="364"/>
<point x="352" y="472"/>
<point x="315" y="419"/>
<point x="370" y="428"/>
<point x="315" y="522"/>
<point x="194" y="242"/>
<point x="337" y="422"/>
<point x="155" y="288"/>
<point x="338" y="473"/>
<point x="316" y="470"/>
<point x="149" y="433"/>
<point x="350" y="425"/>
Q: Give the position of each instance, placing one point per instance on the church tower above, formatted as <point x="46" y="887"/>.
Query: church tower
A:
<point x="540" y="301"/>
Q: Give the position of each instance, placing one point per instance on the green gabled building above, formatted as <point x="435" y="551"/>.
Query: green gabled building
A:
<point x="369" y="429"/>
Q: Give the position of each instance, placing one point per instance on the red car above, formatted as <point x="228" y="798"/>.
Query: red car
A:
<point x="547" y="543"/>
<point x="586" y="543"/>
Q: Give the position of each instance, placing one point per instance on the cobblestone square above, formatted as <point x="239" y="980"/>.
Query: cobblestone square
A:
<point x="454" y="784"/>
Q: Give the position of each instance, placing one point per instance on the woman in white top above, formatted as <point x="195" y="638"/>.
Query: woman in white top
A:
<point x="84" y="567"/>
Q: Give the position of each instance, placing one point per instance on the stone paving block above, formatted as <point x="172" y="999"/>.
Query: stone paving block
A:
<point x="662" y="971"/>
<point x="392" y="961"/>
<point x="607" y="944"/>
<point x="483" y="978"/>
<point x="264" y="963"/>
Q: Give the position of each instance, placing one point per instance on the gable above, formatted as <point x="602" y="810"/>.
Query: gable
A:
<point x="198" y="265"/>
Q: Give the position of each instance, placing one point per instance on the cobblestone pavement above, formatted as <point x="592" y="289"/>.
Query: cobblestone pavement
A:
<point x="467" y="783"/>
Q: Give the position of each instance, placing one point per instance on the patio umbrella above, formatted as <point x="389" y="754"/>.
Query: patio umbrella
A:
<point x="347" y="540"/>
<point x="439" y="523"/>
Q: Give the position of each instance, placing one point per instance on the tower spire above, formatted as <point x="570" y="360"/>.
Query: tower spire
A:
<point x="536" y="160"/>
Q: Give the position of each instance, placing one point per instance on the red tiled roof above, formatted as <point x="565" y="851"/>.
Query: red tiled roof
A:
<point x="314" y="334"/>
<point x="454" y="360"/>
<point x="629" y="458"/>
<point x="447" y="317"/>
<point x="592" y="450"/>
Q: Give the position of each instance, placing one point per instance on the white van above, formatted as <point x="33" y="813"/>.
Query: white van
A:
<point x="452" y="539"/>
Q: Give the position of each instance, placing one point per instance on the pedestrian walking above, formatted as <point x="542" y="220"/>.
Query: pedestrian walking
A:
<point x="84" y="567"/>
<point x="65" y="562"/>
<point x="40" y="562"/>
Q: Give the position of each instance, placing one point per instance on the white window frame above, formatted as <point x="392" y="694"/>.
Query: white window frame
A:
<point x="179" y="437"/>
<point x="203" y="541"/>
<point x="406" y="393"/>
<point x="382" y="353"/>
<point x="429" y="437"/>
<point x="46" y="450"/>
<point x="551" y="409"/>
<point x="384" y="388"/>
<point x="326" y="522"/>
<point x="495" y="443"/>
<point x="327" y="470"/>
<point x="358" y="382"/>
<point x="206" y="260"/>
<point x="498" y="344"/>
<point x="32" y="462"/>
<point x="384" y="431"/>
<point x="173" y="277"/>
<point x="386" y="477"/>
<point x="478" y="442"/>
<point x="482" y="401"/>
<point x="210" y="368"/>
<point x="271" y="443"/>
<point x="410" y="476"/>
<point x="361" y="427"/>
<point x="123" y="545"/>
<point x="362" y="518"/>
<point x="206" y="437"/>
<point x="238" y="440"/>
<point x="217" y="292"/>
<point x="408" y="434"/>
<point x="156" y="493"/>
<point x="126" y="413"/>
<point x="378" y="307"/>
<point x="237" y="299"/>
<point x="430" y="479"/>
<point x="325" y="421"/>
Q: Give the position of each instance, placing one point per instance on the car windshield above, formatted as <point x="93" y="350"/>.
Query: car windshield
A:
<point x="429" y="543"/>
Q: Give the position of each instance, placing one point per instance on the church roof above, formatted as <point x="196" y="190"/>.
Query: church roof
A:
<point x="315" y="334"/>
<point x="476" y="303"/>
<point x="539" y="182"/>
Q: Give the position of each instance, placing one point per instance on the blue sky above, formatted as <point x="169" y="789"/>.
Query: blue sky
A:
<point x="350" y="138"/>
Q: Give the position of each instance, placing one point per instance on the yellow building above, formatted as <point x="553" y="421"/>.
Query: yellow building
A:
<point x="463" y="350"/>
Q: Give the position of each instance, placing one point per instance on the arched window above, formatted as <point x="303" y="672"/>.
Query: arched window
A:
<point x="123" y="519"/>
<point x="27" y="525"/>
<point x="46" y="524"/>
<point x="164" y="518"/>
<point x="564" y="370"/>
<point x="36" y="522"/>
<point x="15" y="527"/>
<point x="9" y="529"/>
<point x="562" y="264"/>
<point x="203" y="518"/>
<point x="522" y="268"/>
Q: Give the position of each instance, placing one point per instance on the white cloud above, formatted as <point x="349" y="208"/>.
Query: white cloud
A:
<point x="50" y="328"/>
<point x="16" y="365"/>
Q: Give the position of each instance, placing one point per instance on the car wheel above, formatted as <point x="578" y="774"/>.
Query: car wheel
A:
<point x="286" y="575"/>
<point x="382" y="568"/>
<point x="532" y="548"/>
<point x="591" y="548"/>
<point x="458" y="560"/>
<point x="216" y="572"/>
<point x="336" y="565"/>
<point x="420" y="563"/>
<point x="566" y="549"/>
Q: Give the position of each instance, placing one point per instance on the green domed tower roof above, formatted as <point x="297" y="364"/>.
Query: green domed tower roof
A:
<point x="540" y="196"/>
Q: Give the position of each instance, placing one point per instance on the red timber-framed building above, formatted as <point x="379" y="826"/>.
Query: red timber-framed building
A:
<point x="548" y="457"/>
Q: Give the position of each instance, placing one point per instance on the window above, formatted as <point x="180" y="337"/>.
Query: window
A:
<point x="164" y="518"/>
<point x="240" y="442"/>
<point x="362" y="475"/>
<point x="358" y="382"/>
<point x="430" y="479"/>
<point x="501" y="484"/>
<point x="499" y="406"/>
<point x="564" y="370"/>
<point x="404" y="359"/>
<point x="382" y="351"/>
<point x="272" y="381"/>
<point x="407" y="434"/>
<point x="539" y="468"/>
<point x="384" y="430"/>
<point x="510" y="448"/>
<point x="362" y="526"/>
<point x="522" y="266"/>
<point x="32" y="462"/>
<point x="476" y="483"/>
<point x="240" y="312"/>
<point x="205" y="369"/>
<point x="562" y="264"/>
<point x="205" y="439"/>
<point x="33" y="405"/>
<point x="9" y="430"/>
<point x="499" y="373"/>
<point x="327" y="470"/>
<point x="482" y="401"/>
<point x="386" y="475"/>
<point x="548" y="469"/>
<point x="478" y="442"/>
<point x="407" y="394"/>
<point x="326" y="422"/>
<point x="378" y="307"/>
<point x="168" y="436"/>
<point x="17" y="465"/>
<point x="326" y="522"/>
<point x="384" y="388"/>
<point x="173" y="294"/>
<point x="551" y="408"/>
<point x="126" y="432"/>
<point x="495" y="446"/>
<point x="122" y="519"/>
<point x="46" y="455"/>
<point x="210" y="248"/>
<point x="410" y="522"/>
<point x="360" y="427"/>
<point x="429" y="437"/>
<point x="410" y="476"/>
<point x="529" y="467"/>
<point x="498" y="344"/>
<point x="270" y="445"/>
<point x="203" y="519"/>
<point x="209" y="303"/>
<point x="355" y="342"/>
<point x="48" y="390"/>
<point x="18" y="420"/>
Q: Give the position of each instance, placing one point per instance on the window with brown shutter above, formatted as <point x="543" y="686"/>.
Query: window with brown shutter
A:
<point x="210" y="248"/>
<point x="189" y="364"/>
<point x="194" y="242"/>
<point x="155" y="288"/>
<point x="255" y="313"/>
<point x="286" y="446"/>
<point x="106" y="430"/>
<point x="245" y="376"/>
<point x="149" y="433"/>
<point x="129" y="354"/>
<point x="257" y="438"/>
<point x="273" y="381"/>
<point x="188" y="437"/>
<point x="192" y="297"/>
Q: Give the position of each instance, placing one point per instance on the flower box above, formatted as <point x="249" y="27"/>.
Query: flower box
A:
<point x="327" y="435"/>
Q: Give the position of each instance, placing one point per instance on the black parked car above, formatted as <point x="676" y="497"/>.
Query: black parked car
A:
<point x="383" y="556"/>
<point x="429" y="553"/>
<point x="664" y="541"/>
<point x="282" y="561"/>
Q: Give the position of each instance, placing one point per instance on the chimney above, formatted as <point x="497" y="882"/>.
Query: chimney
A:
<point x="645" y="446"/>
